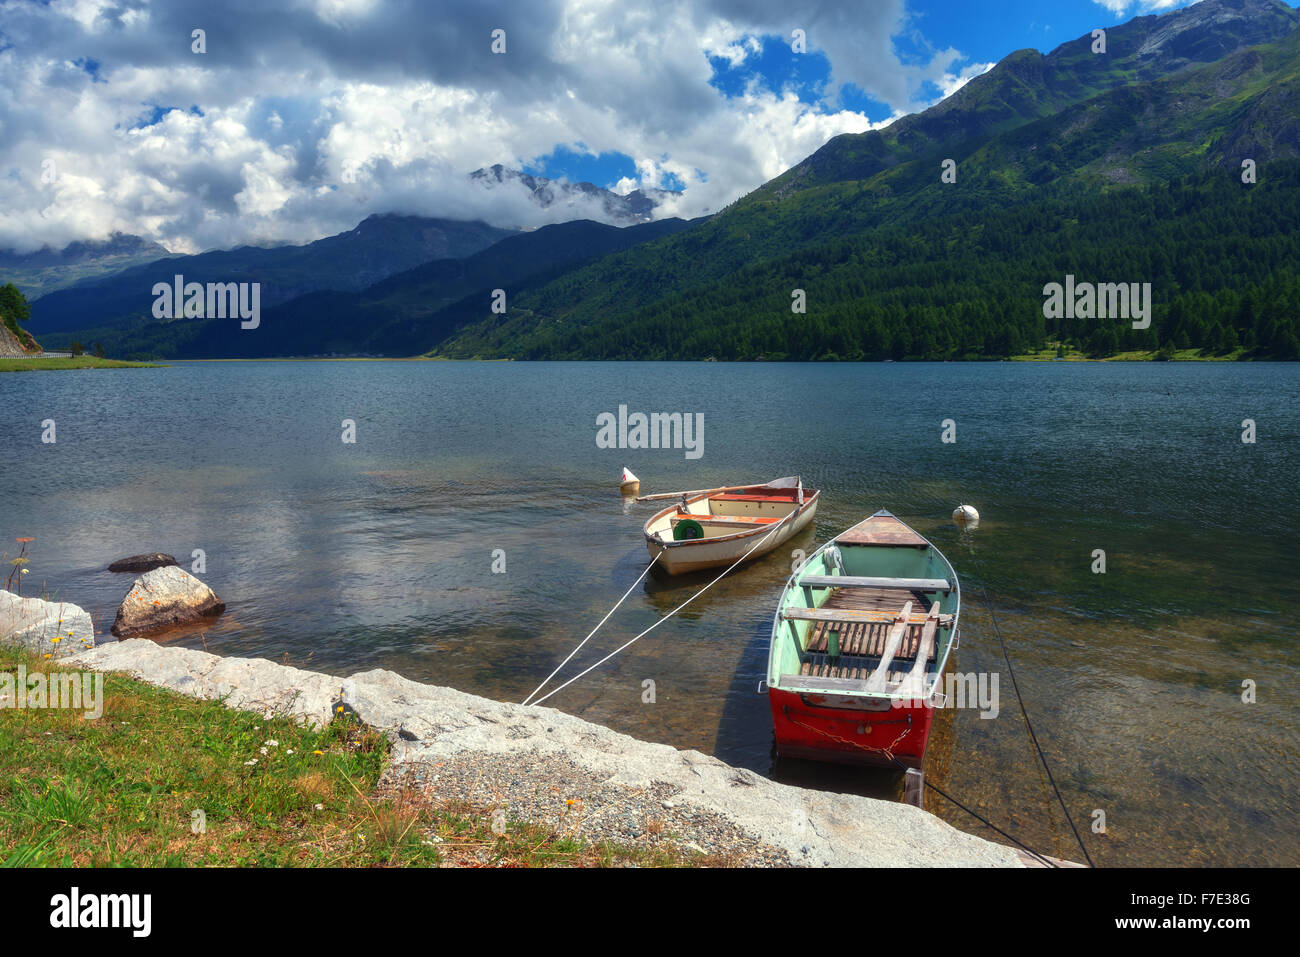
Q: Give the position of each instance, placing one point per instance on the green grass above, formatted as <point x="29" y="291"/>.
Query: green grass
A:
<point x="121" y="791"/>
<point x="1048" y="353"/>
<point x="76" y="362"/>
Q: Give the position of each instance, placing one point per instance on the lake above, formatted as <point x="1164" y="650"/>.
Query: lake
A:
<point x="379" y="554"/>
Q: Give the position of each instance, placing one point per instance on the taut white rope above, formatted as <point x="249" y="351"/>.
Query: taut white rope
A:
<point x="661" y="620"/>
<point x="594" y="630"/>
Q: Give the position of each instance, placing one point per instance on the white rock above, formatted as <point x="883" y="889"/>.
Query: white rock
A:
<point x="35" y="624"/>
<point x="431" y="725"/>
<point x="164" y="598"/>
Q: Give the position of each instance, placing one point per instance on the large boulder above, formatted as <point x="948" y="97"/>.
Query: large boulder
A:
<point x="165" y="598"/>
<point x="53" y="628"/>
<point x="142" y="563"/>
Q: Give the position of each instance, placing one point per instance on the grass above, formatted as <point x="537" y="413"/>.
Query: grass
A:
<point x="1074" y="355"/>
<point x="22" y="364"/>
<point x="123" y="789"/>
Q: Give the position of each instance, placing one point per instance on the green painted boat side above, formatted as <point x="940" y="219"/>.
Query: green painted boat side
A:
<point x="789" y="638"/>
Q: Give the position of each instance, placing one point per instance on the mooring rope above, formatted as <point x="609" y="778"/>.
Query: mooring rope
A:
<point x="888" y="753"/>
<point x="1025" y="712"/>
<point x="640" y="578"/>
<point x="633" y="641"/>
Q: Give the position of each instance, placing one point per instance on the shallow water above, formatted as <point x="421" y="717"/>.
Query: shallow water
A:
<point x="379" y="554"/>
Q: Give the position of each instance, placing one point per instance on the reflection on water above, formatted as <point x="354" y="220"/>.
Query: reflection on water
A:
<point x="380" y="554"/>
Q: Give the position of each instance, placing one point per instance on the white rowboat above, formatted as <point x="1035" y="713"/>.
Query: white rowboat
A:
<point x="714" y="529"/>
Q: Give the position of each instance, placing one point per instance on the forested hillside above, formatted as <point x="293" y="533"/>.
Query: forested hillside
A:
<point x="1223" y="259"/>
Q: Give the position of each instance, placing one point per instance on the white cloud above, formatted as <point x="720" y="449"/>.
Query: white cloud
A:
<point x="311" y="117"/>
<point x="1121" y="7"/>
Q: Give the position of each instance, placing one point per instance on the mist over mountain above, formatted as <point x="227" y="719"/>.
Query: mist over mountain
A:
<point x="638" y="206"/>
<point x="44" y="270"/>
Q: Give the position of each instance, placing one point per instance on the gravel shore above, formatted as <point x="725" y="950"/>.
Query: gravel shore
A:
<point x="555" y="792"/>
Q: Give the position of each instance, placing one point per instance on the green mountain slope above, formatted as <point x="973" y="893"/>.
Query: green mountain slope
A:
<point x="377" y="247"/>
<point x="45" y="270"/>
<point x="852" y="244"/>
<point x="403" y="315"/>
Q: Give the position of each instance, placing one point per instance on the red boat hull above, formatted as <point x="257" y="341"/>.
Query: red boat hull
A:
<point x="816" y="727"/>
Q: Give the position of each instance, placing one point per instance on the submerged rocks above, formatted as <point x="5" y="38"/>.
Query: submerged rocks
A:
<point x="142" y="563"/>
<point x="164" y="598"/>
<point x="53" y="628"/>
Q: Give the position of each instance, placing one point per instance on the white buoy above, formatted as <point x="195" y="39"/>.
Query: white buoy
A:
<point x="631" y="485"/>
<point x="965" y="515"/>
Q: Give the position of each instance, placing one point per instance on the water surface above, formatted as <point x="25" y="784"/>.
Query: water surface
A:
<point x="379" y="554"/>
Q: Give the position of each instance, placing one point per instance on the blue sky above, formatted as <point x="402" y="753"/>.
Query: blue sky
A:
<point x="984" y="31"/>
<point x="298" y="120"/>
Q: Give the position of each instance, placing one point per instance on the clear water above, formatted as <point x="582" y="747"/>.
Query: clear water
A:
<point x="379" y="554"/>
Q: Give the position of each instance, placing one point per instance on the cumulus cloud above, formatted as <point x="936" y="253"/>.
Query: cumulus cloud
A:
<point x="300" y="119"/>
<point x="1121" y="7"/>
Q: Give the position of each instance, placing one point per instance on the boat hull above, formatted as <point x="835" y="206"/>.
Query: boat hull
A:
<point x="680" y="558"/>
<point x="861" y="639"/>
<point x="809" y="729"/>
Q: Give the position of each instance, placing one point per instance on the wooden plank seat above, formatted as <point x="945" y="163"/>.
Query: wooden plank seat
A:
<point x="852" y="669"/>
<point x="896" y="584"/>
<point x="886" y="656"/>
<point x="850" y="616"/>
<point x="868" y="641"/>
<point x="728" y="521"/>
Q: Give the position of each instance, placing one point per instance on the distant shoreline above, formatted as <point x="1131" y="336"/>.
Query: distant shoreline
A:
<point x="90" y="362"/>
<point x="35" y="364"/>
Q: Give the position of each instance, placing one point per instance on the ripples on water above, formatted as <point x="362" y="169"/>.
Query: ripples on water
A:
<point x="379" y="554"/>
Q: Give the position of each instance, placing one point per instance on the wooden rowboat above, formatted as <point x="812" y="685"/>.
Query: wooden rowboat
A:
<point x="718" y="527"/>
<point x="861" y="638"/>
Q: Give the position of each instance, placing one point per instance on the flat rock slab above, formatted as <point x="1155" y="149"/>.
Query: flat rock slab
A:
<point x="54" y="628"/>
<point x="435" y="727"/>
<point x="249" y="684"/>
<point x="440" y="734"/>
<point x="142" y="563"/>
<point x="165" y="598"/>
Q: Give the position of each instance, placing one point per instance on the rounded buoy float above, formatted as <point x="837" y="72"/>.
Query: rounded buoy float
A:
<point x="687" y="530"/>
<point x="965" y="515"/>
<point x="631" y="485"/>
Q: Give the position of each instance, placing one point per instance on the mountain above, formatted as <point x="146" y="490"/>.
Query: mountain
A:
<point x="45" y="270"/>
<point x="1029" y="85"/>
<point x="1058" y="159"/>
<point x="405" y="314"/>
<point x="377" y="247"/>
<point x="581" y="199"/>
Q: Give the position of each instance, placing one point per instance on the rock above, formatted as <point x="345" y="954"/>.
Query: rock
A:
<point x="142" y="563"/>
<point x="164" y="598"/>
<point x="250" y="684"/>
<point x="433" y="728"/>
<point x="53" y="628"/>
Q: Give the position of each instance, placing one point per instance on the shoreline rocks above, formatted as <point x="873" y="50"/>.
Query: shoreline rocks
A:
<point x="540" y="764"/>
<point x="142" y="563"/>
<point x="54" y="628"/>
<point x="166" y="597"/>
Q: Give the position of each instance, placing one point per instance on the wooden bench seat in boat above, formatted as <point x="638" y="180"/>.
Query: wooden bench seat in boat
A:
<point x="897" y="584"/>
<point x="730" y="521"/>
<point x="888" y="656"/>
<point x="853" y="616"/>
